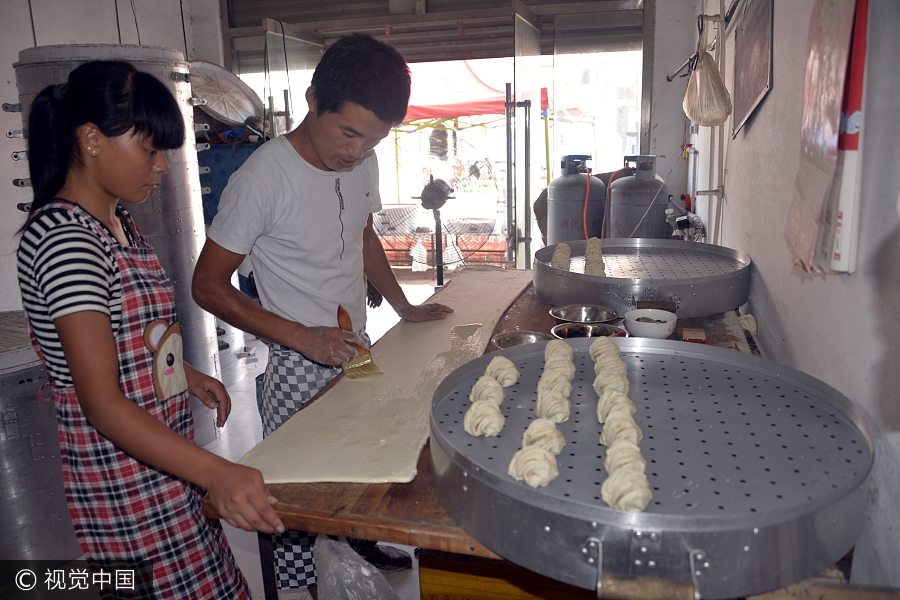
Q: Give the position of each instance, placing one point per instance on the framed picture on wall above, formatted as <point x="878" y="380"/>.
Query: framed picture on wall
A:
<point x="752" y="59"/>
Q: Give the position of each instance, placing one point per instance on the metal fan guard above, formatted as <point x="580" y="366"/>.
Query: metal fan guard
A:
<point x="758" y="472"/>
<point x="403" y="220"/>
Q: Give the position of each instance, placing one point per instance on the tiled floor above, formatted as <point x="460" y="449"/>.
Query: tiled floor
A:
<point x="241" y="362"/>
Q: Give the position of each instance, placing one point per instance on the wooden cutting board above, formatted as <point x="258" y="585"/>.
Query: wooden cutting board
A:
<point x="372" y="430"/>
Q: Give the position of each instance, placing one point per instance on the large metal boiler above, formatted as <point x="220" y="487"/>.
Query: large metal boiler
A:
<point x="37" y="524"/>
<point x="172" y="217"/>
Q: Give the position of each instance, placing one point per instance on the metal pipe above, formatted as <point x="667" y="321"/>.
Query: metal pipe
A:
<point x="272" y="121"/>
<point x="438" y="249"/>
<point x="545" y="116"/>
<point x="288" y="122"/>
<point x="527" y="229"/>
<point x="671" y="77"/>
<point x="510" y="181"/>
<point x="397" y="162"/>
<point x="720" y="154"/>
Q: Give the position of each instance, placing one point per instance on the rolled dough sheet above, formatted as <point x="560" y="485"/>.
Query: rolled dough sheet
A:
<point x="372" y="430"/>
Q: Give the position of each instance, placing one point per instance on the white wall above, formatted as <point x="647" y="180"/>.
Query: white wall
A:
<point x="159" y="23"/>
<point x="673" y="42"/>
<point x="842" y="329"/>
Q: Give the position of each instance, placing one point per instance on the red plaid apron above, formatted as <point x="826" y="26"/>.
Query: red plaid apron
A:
<point x="123" y="509"/>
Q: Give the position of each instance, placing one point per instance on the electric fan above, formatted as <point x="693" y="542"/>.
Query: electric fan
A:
<point x="428" y="239"/>
<point x="423" y="231"/>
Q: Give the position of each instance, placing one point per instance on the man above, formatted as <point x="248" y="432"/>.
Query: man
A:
<point x="301" y="207"/>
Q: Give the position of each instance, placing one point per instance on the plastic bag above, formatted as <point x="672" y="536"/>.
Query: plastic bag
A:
<point x="706" y="100"/>
<point x="344" y="575"/>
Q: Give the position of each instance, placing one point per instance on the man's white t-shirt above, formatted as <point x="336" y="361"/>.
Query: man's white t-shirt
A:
<point x="303" y="231"/>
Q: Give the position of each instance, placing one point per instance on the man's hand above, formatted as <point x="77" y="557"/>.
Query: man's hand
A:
<point x="424" y="312"/>
<point x="373" y="296"/>
<point x="327" y="345"/>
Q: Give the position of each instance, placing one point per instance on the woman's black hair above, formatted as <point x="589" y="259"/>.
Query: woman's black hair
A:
<point x="112" y="95"/>
<point x="360" y="69"/>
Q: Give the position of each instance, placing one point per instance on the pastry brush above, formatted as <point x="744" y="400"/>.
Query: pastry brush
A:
<point x="362" y="364"/>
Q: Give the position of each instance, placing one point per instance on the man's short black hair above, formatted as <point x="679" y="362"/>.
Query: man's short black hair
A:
<point x="358" y="68"/>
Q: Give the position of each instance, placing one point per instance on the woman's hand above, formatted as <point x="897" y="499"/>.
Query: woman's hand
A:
<point x="210" y="392"/>
<point x="241" y="497"/>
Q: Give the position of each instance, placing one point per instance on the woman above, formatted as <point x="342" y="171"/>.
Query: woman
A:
<point x="102" y="316"/>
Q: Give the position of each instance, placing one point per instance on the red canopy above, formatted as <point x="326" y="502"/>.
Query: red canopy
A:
<point x="454" y="89"/>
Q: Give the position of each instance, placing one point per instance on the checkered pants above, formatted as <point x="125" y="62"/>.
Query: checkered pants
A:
<point x="288" y="384"/>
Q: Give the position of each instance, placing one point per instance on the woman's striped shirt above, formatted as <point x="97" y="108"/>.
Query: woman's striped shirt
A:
<point x="65" y="267"/>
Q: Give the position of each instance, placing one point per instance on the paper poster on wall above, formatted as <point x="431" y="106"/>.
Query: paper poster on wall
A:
<point x="839" y="238"/>
<point x="826" y="66"/>
<point x="752" y="60"/>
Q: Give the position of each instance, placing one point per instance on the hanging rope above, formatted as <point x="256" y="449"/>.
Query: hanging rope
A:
<point x="587" y="195"/>
<point x="136" y="28"/>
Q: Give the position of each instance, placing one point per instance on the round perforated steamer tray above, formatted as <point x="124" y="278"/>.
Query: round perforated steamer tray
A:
<point x="702" y="279"/>
<point x="757" y="471"/>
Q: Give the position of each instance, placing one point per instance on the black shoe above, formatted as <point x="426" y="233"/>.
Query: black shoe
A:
<point x="386" y="558"/>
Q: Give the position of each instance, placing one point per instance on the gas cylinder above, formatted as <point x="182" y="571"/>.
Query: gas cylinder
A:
<point x="637" y="203"/>
<point x="572" y="195"/>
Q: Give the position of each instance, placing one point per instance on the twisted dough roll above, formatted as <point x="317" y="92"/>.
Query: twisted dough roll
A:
<point x="562" y="255"/>
<point x="487" y="388"/>
<point x="536" y="465"/>
<point x="483" y="418"/>
<point x="544" y="434"/>
<point x="626" y="489"/>
<point x="554" y="381"/>
<point x="620" y="426"/>
<point x="559" y="364"/>
<point x="611" y="380"/>
<point x="503" y="370"/>
<point x="610" y="401"/>
<point x="603" y="346"/>
<point x="610" y="365"/>
<point x="554" y="406"/>
<point x="593" y="258"/>
<point x="624" y="454"/>
<point x="609" y="358"/>
<point x="594" y="265"/>
<point x="558" y="348"/>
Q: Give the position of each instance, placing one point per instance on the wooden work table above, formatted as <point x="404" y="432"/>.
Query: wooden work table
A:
<point x="410" y="513"/>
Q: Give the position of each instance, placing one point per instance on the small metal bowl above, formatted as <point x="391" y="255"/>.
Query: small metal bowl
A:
<point x="508" y="339"/>
<point x="580" y="330"/>
<point x="583" y="313"/>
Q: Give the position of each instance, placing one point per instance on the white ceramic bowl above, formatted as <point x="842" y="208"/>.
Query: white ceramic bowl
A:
<point x="650" y="323"/>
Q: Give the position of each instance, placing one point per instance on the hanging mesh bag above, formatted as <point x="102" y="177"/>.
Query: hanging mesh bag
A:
<point x="706" y="100"/>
